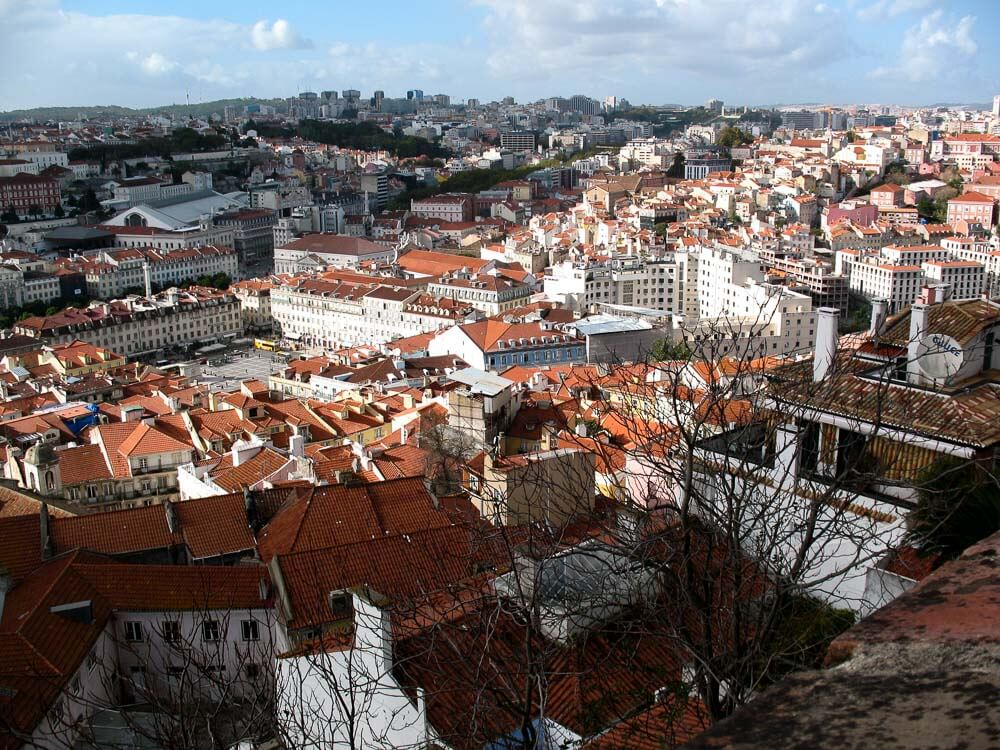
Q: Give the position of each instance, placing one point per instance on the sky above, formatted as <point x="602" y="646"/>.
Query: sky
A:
<point x="144" y="53"/>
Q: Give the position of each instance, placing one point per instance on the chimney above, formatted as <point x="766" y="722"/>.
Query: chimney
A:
<point x="429" y="486"/>
<point x="243" y="451"/>
<point x="6" y="585"/>
<point x="827" y="319"/>
<point x="250" y="508"/>
<point x="297" y="446"/>
<point x="880" y="308"/>
<point x="581" y="428"/>
<point x="919" y="315"/>
<point x="173" y="522"/>
<point x="131" y="413"/>
<point x="43" y="532"/>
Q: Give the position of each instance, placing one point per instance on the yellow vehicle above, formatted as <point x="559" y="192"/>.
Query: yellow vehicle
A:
<point x="266" y="344"/>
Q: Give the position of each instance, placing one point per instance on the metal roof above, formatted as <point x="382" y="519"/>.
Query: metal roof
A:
<point x="480" y="381"/>
<point x="596" y="325"/>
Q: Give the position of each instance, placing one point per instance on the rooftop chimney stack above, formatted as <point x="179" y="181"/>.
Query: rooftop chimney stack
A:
<point x="880" y="309"/>
<point x="173" y="522"/>
<point x="919" y="315"/>
<point x="45" y="538"/>
<point x="827" y="319"/>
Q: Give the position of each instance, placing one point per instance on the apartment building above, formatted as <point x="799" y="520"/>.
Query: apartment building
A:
<point x="114" y="273"/>
<point x="629" y="281"/>
<point x="40" y="287"/>
<point x="889" y="195"/>
<point x="761" y="319"/>
<point x="898" y="284"/>
<point x="518" y="140"/>
<point x="255" y="303"/>
<point x="446" y="207"/>
<point x="491" y="294"/>
<point x="966" y="150"/>
<point x="493" y="344"/>
<point x="26" y="192"/>
<point x="11" y="167"/>
<point x="966" y="278"/>
<point x="974" y="208"/>
<point x="134" y="191"/>
<point x="279" y="197"/>
<point x="980" y="251"/>
<point x="331" y="314"/>
<point x="253" y="234"/>
<point x="817" y="279"/>
<point x="313" y="252"/>
<point x="897" y="274"/>
<point x="143" y="325"/>
<point x="721" y="275"/>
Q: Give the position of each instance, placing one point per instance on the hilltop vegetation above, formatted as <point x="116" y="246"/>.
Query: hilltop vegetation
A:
<point x="197" y="109"/>
<point x="182" y="140"/>
<point x="360" y="135"/>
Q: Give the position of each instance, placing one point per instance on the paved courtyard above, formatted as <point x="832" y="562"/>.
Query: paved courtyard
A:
<point x="251" y="364"/>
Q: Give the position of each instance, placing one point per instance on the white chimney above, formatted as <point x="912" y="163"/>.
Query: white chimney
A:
<point x="243" y="451"/>
<point x="297" y="446"/>
<point x="880" y="308"/>
<point x="827" y="319"/>
<point x="919" y="314"/>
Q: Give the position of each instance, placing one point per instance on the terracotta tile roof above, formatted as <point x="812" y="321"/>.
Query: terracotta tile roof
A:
<point x="972" y="197"/>
<point x="337" y="515"/>
<point x="114" y="532"/>
<point x="14" y="503"/>
<point x="258" y="467"/>
<point x="82" y="464"/>
<point x="214" y="526"/>
<point x="20" y="548"/>
<point x="666" y="725"/>
<point x="405" y="566"/>
<point x="330" y="459"/>
<point x="402" y="461"/>
<point x="146" y="440"/>
<point x="909" y="563"/>
<point x="961" y="320"/>
<point x="486" y="334"/>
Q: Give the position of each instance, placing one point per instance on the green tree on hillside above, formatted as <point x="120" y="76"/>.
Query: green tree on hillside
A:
<point x="730" y="137"/>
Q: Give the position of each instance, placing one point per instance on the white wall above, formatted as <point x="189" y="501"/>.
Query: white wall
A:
<point x="316" y="691"/>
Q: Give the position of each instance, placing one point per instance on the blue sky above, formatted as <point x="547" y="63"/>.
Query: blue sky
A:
<point x="144" y="53"/>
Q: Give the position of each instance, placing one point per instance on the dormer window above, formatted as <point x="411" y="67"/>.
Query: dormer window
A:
<point x="341" y="604"/>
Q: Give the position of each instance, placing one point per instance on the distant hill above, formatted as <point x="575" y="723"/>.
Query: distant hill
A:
<point x="195" y="109"/>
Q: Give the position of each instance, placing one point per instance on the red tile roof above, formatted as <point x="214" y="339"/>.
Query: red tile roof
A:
<point x="338" y="515"/>
<point x="146" y="440"/>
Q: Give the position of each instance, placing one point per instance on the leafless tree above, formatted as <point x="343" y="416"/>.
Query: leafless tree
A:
<point x="684" y="534"/>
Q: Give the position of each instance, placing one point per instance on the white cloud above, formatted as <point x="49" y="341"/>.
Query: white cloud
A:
<point x="712" y="38"/>
<point x="882" y="9"/>
<point x="156" y="64"/>
<point x="933" y="50"/>
<point x="279" y="35"/>
<point x="211" y="58"/>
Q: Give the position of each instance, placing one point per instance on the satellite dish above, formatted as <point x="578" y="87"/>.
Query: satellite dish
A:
<point x="940" y="356"/>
